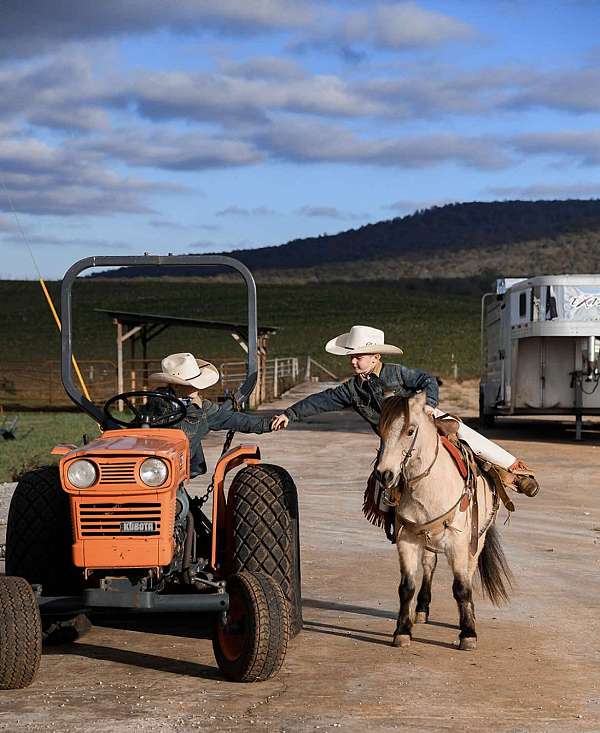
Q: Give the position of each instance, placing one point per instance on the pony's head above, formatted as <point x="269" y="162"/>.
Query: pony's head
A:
<point x="405" y="430"/>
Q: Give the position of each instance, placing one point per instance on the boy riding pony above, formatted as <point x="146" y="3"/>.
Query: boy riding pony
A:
<point x="374" y="380"/>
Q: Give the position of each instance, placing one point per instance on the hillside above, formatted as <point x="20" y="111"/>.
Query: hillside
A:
<point x="457" y="240"/>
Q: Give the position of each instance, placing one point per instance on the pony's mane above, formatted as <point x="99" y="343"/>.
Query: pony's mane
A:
<point x="392" y="408"/>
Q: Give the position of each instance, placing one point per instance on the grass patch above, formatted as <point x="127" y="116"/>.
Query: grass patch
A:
<point x="37" y="433"/>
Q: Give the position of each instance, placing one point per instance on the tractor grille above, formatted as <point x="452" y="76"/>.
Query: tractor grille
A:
<point x="101" y="520"/>
<point x="117" y="473"/>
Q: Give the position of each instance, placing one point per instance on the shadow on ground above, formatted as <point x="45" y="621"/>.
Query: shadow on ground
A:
<point x="133" y="658"/>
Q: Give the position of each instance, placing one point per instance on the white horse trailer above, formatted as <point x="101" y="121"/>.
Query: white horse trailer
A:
<point x="540" y="339"/>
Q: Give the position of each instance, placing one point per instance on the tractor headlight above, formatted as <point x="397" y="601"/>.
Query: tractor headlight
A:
<point x="154" y="472"/>
<point x="82" y="474"/>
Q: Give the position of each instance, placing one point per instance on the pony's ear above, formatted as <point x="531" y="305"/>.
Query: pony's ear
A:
<point x="388" y="393"/>
<point x="419" y="400"/>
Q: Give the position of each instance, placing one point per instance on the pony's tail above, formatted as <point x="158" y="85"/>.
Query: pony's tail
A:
<point x="496" y="576"/>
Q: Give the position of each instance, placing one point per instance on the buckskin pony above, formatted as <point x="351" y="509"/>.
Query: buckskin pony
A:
<point x="438" y="509"/>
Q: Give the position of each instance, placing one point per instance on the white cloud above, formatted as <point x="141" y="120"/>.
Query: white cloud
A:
<point x="171" y="150"/>
<point x="47" y="240"/>
<point x="35" y="27"/>
<point x="308" y="141"/>
<point x="576" y="91"/>
<point x="558" y="190"/>
<point x="213" y="97"/>
<point x="41" y="179"/>
<point x="330" y="212"/>
<point x="242" y="211"/>
<point x="403" y="26"/>
<point x="577" y="146"/>
<point x="265" y="67"/>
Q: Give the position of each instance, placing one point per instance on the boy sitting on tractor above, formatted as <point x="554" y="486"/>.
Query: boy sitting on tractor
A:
<point x="184" y="375"/>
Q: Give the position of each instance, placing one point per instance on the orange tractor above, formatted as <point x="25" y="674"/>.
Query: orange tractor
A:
<point x="113" y="528"/>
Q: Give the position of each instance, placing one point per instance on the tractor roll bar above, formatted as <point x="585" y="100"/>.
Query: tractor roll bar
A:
<point x="168" y="261"/>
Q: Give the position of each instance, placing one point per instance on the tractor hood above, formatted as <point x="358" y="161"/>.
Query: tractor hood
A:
<point x="141" y="441"/>
<point x="119" y="454"/>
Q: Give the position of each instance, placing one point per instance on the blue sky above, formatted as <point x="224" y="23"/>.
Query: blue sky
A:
<point x="197" y="126"/>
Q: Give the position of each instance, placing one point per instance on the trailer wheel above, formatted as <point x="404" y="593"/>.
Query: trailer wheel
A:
<point x="263" y="521"/>
<point x="20" y="634"/>
<point x="251" y="645"/>
<point x="486" y="419"/>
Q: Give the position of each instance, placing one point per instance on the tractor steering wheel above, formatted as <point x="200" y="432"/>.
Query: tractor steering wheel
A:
<point x="160" y="411"/>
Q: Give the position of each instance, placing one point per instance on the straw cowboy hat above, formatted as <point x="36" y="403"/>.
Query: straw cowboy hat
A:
<point x="187" y="370"/>
<point x="361" y="340"/>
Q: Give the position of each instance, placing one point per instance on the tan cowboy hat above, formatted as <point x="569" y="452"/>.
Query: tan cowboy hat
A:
<point x="361" y="340"/>
<point x="187" y="370"/>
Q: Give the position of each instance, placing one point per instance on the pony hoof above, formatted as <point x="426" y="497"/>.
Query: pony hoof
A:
<point x="421" y="617"/>
<point x="401" y="640"/>
<point x="468" y="644"/>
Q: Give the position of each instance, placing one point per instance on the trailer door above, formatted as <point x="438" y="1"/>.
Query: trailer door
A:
<point x="558" y="362"/>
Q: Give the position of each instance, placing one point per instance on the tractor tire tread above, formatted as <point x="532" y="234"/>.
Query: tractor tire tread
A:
<point x="20" y="634"/>
<point x="265" y="508"/>
<point x="39" y="533"/>
<point x="269" y="629"/>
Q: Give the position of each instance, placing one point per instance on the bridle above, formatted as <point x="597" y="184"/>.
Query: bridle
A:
<point x="403" y="478"/>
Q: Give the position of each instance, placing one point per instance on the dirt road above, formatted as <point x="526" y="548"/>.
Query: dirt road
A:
<point x="538" y="663"/>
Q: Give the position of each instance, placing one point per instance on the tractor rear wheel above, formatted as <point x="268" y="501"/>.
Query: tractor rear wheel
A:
<point x="263" y="519"/>
<point x="20" y="634"/>
<point x="39" y="536"/>
<point x="251" y="645"/>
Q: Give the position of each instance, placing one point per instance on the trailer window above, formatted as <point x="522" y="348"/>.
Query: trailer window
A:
<point x="551" y="309"/>
<point x="522" y="305"/>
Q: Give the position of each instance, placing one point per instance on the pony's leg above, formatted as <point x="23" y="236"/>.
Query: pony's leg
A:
<point x="429" y="562"/>
<point x="408" y="553"/>
<point x="463" y="568"/>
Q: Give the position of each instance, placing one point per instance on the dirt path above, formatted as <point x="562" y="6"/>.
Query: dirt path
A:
<point x="536" y="668"/>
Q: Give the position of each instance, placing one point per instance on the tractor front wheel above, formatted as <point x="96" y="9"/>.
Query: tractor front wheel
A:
<point x="264" y="529"/>
<point x="20" y="634"/>
<point x="251" y="645"/>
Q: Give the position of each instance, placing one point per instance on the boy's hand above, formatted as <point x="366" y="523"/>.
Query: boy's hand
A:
<point x="279" y="422"/>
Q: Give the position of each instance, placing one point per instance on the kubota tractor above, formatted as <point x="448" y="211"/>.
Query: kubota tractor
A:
<point x="112" y="528"/>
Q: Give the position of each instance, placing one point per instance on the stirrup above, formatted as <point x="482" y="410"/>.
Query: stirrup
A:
<point x="387" y="499"/>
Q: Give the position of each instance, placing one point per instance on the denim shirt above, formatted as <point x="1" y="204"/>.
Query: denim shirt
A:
<point x="365" y="396"/>
<point x="201" y="419"/>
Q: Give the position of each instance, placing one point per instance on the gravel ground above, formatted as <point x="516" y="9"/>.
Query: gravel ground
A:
<point x="536" y="668"/>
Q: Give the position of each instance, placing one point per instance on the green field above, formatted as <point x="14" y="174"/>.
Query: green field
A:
<point x="430" y="323"/>
<point x="37" y="433"/>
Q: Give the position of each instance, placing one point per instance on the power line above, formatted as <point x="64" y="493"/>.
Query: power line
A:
<point x="44" y="288"/>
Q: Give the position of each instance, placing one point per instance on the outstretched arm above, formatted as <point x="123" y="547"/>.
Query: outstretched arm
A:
<point x="241" y="422"/>
<point x="415" y="380"/>
<point x="336" y="398"/>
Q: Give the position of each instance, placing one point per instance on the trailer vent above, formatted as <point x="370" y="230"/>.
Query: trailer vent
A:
<point x="118" y="473"/>
<point x="131" y="519"/>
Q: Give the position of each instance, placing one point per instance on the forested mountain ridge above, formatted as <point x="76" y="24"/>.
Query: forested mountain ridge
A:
<point x="436" y="242"/>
